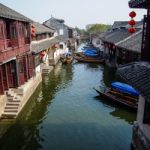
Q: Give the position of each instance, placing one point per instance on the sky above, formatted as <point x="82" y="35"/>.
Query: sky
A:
<point x="76" y="13"/>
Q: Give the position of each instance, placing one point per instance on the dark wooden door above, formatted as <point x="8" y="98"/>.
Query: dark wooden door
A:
<point x="5" y="77"/>
<point x="31" y="66"/>
<point x="26" y="70"/>
<point x="21" y="78"/>
<point x="12" y="78"/>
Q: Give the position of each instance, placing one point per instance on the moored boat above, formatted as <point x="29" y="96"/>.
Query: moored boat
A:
<point x="87" y="59"/>
<point x="120" y="93"/>
<point x="66" y="58"/>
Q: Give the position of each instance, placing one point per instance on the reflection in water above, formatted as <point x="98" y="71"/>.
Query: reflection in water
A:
<point x="65" y="114"/>
<point x="118" y="111"/>
<point x="109" y="75"/>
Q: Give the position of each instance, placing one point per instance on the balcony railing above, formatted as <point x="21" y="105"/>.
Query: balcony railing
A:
<point x="12" y="43"/>
<point x="9" y="43"/>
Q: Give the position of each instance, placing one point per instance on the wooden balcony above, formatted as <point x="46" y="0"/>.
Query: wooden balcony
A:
<point x="11" y="43"/>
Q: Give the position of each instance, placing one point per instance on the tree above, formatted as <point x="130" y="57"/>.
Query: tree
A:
<point x="98" y="28"/>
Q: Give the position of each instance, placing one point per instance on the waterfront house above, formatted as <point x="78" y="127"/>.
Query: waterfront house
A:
<point x="16" y="62"/>
<point x="116" y="44"/>
<point x="138" y="75"/>
<point x="67" y="34"/>
<point x="47" y="46"/>
<point x="15" y="59"/>
<point x="129" y="49"/>
<point x="59" y="25"/>
<point x="41" y="46"/>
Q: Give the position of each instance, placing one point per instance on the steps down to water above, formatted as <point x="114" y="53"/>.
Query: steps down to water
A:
<point x="46" y="70"/>
<point x="12" y="105"/>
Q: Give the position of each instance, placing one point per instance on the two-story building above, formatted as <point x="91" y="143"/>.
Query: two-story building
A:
<point x="67" y="34"/>
<point x="118" y="44"/>
<point x="16" y="62"/>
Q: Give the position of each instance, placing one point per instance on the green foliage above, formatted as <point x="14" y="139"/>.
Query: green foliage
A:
<point x="98" y="28"/>
<point x="92" y="29"/>
<point x="81" y="31"/>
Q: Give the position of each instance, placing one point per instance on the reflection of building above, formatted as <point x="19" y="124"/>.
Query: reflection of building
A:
<point x="124" y="115"/>
<point x="108" y="75"/>
<point x="138" y="75"/>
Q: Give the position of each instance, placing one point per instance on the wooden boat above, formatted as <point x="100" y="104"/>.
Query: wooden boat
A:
<point x="66" y="58"/>
<point x="80" y="57"/>
<point x="115" y="95"/>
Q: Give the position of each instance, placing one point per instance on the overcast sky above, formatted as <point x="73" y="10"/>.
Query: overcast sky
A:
<point x="75" y="12"/>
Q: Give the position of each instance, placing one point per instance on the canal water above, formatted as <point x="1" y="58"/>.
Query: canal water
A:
<point x="66" y="113"/>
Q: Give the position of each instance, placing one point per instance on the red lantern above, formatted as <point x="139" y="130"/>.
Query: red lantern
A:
<point x="131" y="22"/>
<point x="131" y="30"/>
<point x="33" y="31"/>
<point x="132" y="14"/>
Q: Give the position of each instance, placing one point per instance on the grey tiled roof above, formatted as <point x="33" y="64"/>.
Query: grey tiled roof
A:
<point x="42" y="29"/>
<point x="39" y="46"/>
<point x="138" y="75"/>
<point x="118" y="24"/>
<point x="6" y="12"/>
<point x="59" y="20"/>
<point x="133" y="43"/>
<point x="117" y="35"/>
<point x="139" y="3"/>
<point x="42" y="45"/>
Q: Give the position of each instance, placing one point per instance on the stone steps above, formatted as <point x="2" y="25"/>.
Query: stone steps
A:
<point x="11" y="110"/>
<point x="9" y="115"/>
<point x="12" y="105"/>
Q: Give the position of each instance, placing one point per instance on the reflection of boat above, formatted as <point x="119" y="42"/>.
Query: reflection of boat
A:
<point x="80" y="57"/>
<point x="117" y="111"/>
<point x="121" y="93"/>
<point x="66" y="58"/>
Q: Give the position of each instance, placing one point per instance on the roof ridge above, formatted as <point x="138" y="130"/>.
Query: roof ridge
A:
<point x="124" y="40"/>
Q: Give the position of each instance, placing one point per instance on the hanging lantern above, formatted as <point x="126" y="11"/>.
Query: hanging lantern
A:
<point x="33" y="34"/>
<point x="131" y="22"/>
<point x="131" y="30"/>
<point x="132" y="14"/>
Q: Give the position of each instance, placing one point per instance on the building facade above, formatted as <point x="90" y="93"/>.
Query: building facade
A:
<point x="16" y="62"/>
<point x="138" y="75"/>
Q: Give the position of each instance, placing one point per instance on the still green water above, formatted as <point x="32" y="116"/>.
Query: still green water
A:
<point x="66" y="113"/>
